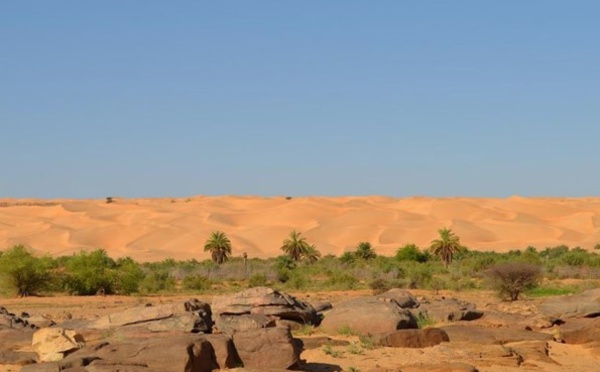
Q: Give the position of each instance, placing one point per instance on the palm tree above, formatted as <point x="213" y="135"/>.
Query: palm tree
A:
<point x="365" y="251"/>
<point x="446" y="246"/>
<point x="312" y="254"/>
<point x="219" y="247"/>
<point x="295" y="246"/>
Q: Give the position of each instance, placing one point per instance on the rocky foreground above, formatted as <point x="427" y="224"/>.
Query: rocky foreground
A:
<point x="261" y="329"/>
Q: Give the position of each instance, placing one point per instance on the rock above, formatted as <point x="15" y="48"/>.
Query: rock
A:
<point x="51" y="344"/>
<point x="40" y="321"/>
<point x="412" y="338"/>
<point x="185" y="353"/>
<point x="442" y="367"/>
<point x="17" y="357"/>
<point x="15" y="339"/>
<point x="293" y="326"/>
<point x="580" y="331"/>
<point x="229" y="324"/>
<point x="311" y="343"/>
<point x="190" y="316"/>
<point x="42" y="367"/>
<point x="481" y="335"/>
<point x="11" y="321"/>
<point x="102" y="366"/>
<point x="267" y="348"/>
<point x="585" y="304"/>
<point x="402" y="297"/>
<point x="263" y="301"/>
<point x="448" y="310"/>
<point x="321" y="306"/>
<point x="368" y="315"/>
<point x="532" y="351"/>
<point x="225" y="353"/>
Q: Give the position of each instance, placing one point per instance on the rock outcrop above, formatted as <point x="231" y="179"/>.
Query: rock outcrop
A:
<point x="52" y="344"/>
<point x="367" y="316"/>
<point x="256" y="307"/>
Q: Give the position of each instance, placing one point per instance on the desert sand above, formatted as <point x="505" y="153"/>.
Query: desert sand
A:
<point x="159" y="228"/>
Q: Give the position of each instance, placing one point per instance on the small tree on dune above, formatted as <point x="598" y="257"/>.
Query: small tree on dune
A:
<point x="295" y="246"/>
<point x="446" y="246"/>
<point x="219" y="246"/>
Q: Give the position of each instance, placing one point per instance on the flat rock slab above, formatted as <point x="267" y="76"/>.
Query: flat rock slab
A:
<point x="585" y="304"/>
<point x="579" y="331"/>
<point x="367" y="316"/>
<point x="412" y="338"/>
<point x="489" y="336"/>
<point x="188" y="316"/>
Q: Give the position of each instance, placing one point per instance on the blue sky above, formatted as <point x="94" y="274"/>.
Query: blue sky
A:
<point x="400" y="98"/>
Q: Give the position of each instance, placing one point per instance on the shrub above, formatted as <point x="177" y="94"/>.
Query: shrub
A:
<point x="129" y="276"/>
<point x="90" y="273"/>
<point x="411" y="252"/>
<point x="195" y="282"/>
<point x="348" y="258"/>
<point x="285" y="262"/>
<point x="257" y="280"/>
<point x="157" y="281"/>
<point x="364" y="251"/>
<point x="424" y="321"/>
<point x="23" y="272"/>
<point x="512" y="278"/>
<point x="342" y="280"/>
<point x="379" y="286"/>
<point x="296" y="281"/>
<point x="419" y="275"/>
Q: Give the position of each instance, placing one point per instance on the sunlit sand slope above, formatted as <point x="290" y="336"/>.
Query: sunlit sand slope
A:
<point x="155" y="229"/>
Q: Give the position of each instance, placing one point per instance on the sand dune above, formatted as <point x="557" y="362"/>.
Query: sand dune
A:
<point x="154" y="229"/>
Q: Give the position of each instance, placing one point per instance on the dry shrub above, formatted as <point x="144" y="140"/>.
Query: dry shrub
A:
<point x="512" y="278"/>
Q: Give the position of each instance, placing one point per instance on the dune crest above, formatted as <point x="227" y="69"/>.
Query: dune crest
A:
<point x="155" y="229"/>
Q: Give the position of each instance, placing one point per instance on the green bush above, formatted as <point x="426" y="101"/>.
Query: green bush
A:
<point x="380" y="285"/>
<point x="195" y="282"/>
<point x="348" y="258"/>
<point x="419" y="275"/>
<point x="129" y="276"/>
<point x="90" y="273"/>
<point x="341" y="280"/>
<point x="411" y="252"/>
<point x="257" y="280"/>
<point x="296" y="281"/>
<point x="157" y="281"/>
<point x="24" y="273"/>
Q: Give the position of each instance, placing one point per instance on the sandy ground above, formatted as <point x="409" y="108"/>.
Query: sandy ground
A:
<point x="155" y="229"/>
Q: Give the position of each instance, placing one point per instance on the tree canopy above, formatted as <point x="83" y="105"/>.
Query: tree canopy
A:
<point x="446" y="246"/>
<point x="219" y="246"/>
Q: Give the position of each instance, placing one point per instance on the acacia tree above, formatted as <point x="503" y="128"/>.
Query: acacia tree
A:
<point x="295" y="246"/>
<point x="445" y="246"/>
<point x="219" y="246"/>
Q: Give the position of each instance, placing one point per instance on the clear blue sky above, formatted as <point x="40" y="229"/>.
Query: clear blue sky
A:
<point x="400" y="98"/>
